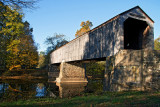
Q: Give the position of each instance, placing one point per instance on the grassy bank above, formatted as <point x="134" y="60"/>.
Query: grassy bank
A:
<point x="134" y="98"/>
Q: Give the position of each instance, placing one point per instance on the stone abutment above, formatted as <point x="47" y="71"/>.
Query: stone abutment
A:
<point x="133" y="70"/>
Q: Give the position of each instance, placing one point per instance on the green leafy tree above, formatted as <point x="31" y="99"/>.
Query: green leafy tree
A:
<point x="157" y="44"/>
<point x="85" y="27"/>
<point x="54" y="43"/>
<point x="95" y="69"/>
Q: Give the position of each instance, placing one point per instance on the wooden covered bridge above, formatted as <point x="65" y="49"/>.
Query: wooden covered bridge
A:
<point x="126" y="38"/>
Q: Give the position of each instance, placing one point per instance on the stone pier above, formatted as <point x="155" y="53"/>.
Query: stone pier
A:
<point x="71" y="72"/>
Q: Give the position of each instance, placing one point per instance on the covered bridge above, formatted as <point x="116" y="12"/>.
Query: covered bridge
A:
<point x="125" y="42"/>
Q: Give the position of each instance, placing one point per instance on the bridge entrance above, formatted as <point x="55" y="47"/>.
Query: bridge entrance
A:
<point x="133" y="33"/>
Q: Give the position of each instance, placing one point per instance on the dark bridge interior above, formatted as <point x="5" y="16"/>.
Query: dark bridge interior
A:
<point x="133" y="33"/>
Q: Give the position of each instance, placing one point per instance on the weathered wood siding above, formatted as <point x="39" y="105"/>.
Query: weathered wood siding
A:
<point x="72" y="51"/>
<point x="104" y="40"/>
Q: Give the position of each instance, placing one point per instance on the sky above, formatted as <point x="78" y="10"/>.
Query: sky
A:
<point x="65" y="16"/>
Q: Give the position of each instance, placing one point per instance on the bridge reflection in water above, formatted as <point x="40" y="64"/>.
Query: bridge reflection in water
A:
<point x="70" y="89"/>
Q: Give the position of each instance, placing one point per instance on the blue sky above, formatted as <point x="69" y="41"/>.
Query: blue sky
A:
<point x="65" y="16"/>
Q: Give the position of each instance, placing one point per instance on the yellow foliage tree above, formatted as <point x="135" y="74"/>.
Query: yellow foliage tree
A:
<point x="157" y="44"/>
<point x="85" y="27"/>
<point x="10" y="30"/>
<point x="17" y="47"/>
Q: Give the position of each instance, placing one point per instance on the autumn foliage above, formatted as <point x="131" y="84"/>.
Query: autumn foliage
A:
<point x="85" y="27"/>
<point x="17" y="47"/>
<point x="157" y="44"/>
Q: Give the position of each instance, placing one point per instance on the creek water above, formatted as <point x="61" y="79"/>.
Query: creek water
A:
<point x="12" y="90"/>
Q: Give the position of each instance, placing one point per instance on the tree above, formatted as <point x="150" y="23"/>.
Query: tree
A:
<point x="24" y="54"/>
<point x="28" y="53"/>
<point x="54" y="43"/>
<point x="85" y="27"/>
<point x="19" y="4"/>
<point x="157" y="44"/>
<point x="17" y="47"/>
<point x="41" y="60"/>
<point x="11" y="28"/>
<point x="95" y="69"/>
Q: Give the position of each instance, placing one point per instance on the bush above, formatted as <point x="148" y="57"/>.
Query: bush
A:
<point x="95" y="69"/>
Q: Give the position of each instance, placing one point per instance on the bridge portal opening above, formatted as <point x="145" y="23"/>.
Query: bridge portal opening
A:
<point x="133" y="33"/>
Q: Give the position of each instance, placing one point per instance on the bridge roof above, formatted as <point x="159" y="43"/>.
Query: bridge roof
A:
<point x="119" y="16"/>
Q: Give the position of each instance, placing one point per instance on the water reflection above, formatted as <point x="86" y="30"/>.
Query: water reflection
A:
<point x="53" y="90"/>
<point x="12" y="90"/>
<point x="40" y="90"/>
<point x="3" y="87"/>
<point x="70" y="89"/>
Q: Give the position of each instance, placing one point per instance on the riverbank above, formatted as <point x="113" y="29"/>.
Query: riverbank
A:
<point x="22" y="77"/>
<point x="133" y="98"/>
<point x="24" y="74"/>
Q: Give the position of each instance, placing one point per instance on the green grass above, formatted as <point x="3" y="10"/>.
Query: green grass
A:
<point x="133" y="98"/>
